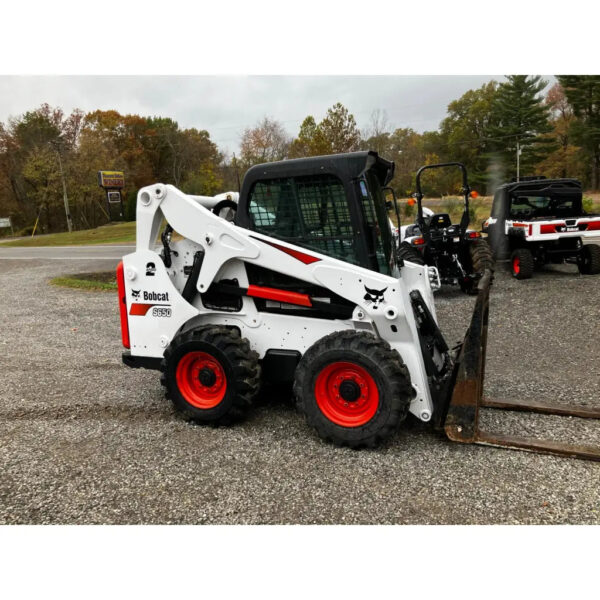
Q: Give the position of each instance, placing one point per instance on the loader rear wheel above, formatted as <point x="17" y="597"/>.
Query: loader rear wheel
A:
<point x="407" y="252"/>
<point x="210" y="374"/>
<point x="521" y="263"/>
<point x="353" y="389"/>
<point x="589" y="260"/>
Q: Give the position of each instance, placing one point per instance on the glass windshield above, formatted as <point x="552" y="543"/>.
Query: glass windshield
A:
<point x="544" y="207"/>
<point x="378" y="228"/>
<point x="310" y="211"/>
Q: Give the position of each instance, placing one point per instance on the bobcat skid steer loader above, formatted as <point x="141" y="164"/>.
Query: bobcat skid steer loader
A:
<point x="303" y="285"/>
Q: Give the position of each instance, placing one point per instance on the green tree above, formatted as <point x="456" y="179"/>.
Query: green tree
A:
<point x="310" y="140"/>
<point x="520" y="122"/>
<point x="339" y="130"/>
<point x="464" y="132"/>
<point x="583" y="94"/>
<point x="336" y="133"/>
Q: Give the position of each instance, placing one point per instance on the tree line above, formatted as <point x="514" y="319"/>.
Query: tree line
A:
<point x="556" y="134"/>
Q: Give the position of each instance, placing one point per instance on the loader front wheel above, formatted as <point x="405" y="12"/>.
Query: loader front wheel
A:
<point x="353" y="389"/>
<point x="210" y="374"/>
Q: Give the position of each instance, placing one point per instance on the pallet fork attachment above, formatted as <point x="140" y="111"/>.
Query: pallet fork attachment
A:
<point x="461" y="423"/>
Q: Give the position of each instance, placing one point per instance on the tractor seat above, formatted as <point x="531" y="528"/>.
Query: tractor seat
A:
<point x="440" y="221"/>
<point x="412" y="230"/>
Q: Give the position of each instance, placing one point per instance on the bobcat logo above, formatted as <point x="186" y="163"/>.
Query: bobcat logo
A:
<point x="135" y="294"/>
<point x="374" y="296"/>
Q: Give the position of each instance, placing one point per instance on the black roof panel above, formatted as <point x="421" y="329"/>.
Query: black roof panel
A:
<point x="347" y="166"/>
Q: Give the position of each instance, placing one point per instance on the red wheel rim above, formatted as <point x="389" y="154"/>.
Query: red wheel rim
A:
<point x="516" y="265"/>
<point x="340" y="410"/>
<point x="201" y="380"/>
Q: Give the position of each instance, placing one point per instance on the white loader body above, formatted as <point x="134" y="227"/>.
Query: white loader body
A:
<point x="156" y="309"/>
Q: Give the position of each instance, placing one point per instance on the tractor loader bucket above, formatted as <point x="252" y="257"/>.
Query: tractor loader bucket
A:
<point x="462" y="417"/>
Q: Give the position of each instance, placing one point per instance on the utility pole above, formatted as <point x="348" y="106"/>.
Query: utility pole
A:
<point x="518" y="158"/>
<point x="64" y="184"/>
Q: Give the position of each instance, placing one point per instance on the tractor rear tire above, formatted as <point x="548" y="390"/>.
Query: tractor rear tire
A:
<point x="481" y="259"/>
<point x="353" y="389"/>
<point x="522" y="263"/>
<point x="589" y="260"/>
<point x="407" y="252"/>
<point x="481" y="256"/>
<point x="210" y="374"/>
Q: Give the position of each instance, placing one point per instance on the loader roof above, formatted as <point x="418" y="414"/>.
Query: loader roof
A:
<point x="346" y="166"/>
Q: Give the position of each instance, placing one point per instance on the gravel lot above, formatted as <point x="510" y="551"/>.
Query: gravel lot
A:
<point x="84" y="439"/>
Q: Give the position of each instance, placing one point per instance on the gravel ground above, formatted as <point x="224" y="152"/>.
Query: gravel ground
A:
<point x="84" y="439"/>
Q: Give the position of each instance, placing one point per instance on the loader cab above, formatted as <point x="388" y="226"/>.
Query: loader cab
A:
<point x="334" y="205"/>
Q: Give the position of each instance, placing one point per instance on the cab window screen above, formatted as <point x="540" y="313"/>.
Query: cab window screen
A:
<point x="310" y="211"/>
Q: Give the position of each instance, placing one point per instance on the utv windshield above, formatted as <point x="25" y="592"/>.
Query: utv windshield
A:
<point x="545" y="207"/>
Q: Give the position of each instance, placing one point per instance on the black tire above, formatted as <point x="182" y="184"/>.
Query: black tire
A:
<point x="235" y="374"/>
<point x="407" y="252"/>
<point x="522" y="263"/>
<point x="219" y="206"/>
<point x="481" y="256"/>
<point x="588" y="260"/>
<point x="389" y="378"/>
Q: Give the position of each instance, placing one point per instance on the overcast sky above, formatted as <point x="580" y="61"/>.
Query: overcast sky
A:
<point x="225" y="106"/>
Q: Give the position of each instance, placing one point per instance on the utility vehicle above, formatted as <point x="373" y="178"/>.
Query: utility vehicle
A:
<point x="537" y="221"/>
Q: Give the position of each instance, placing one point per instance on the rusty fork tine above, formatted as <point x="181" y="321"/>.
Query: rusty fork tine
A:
<point x="540" y="406"/>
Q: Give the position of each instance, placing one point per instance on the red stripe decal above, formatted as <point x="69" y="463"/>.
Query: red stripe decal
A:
<point x="593" y="225"/>
<point x="140" y="310"/>
<point x="257" y="291"/>
<point x="550" y="228"/>
<point x="122" y="305"/>
<point x="307" y="259"/>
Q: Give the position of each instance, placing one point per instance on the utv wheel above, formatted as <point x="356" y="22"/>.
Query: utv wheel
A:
<point x="588" y="260"/>
<point x="521" y="263"/>
<point x="407" y="252"/>
<point x="210" y="374"/>
<point x="353" y="389"/>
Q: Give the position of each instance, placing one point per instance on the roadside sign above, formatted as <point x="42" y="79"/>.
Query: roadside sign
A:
<point x="5" y="222"/>
<point x="111" y="179"/>
<point x="114" y="197"/>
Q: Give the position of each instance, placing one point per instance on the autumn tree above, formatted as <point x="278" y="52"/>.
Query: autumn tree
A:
<point x="377" y="134"/>
<point x="267" y="141"/>
<point x="567" y="159"/>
